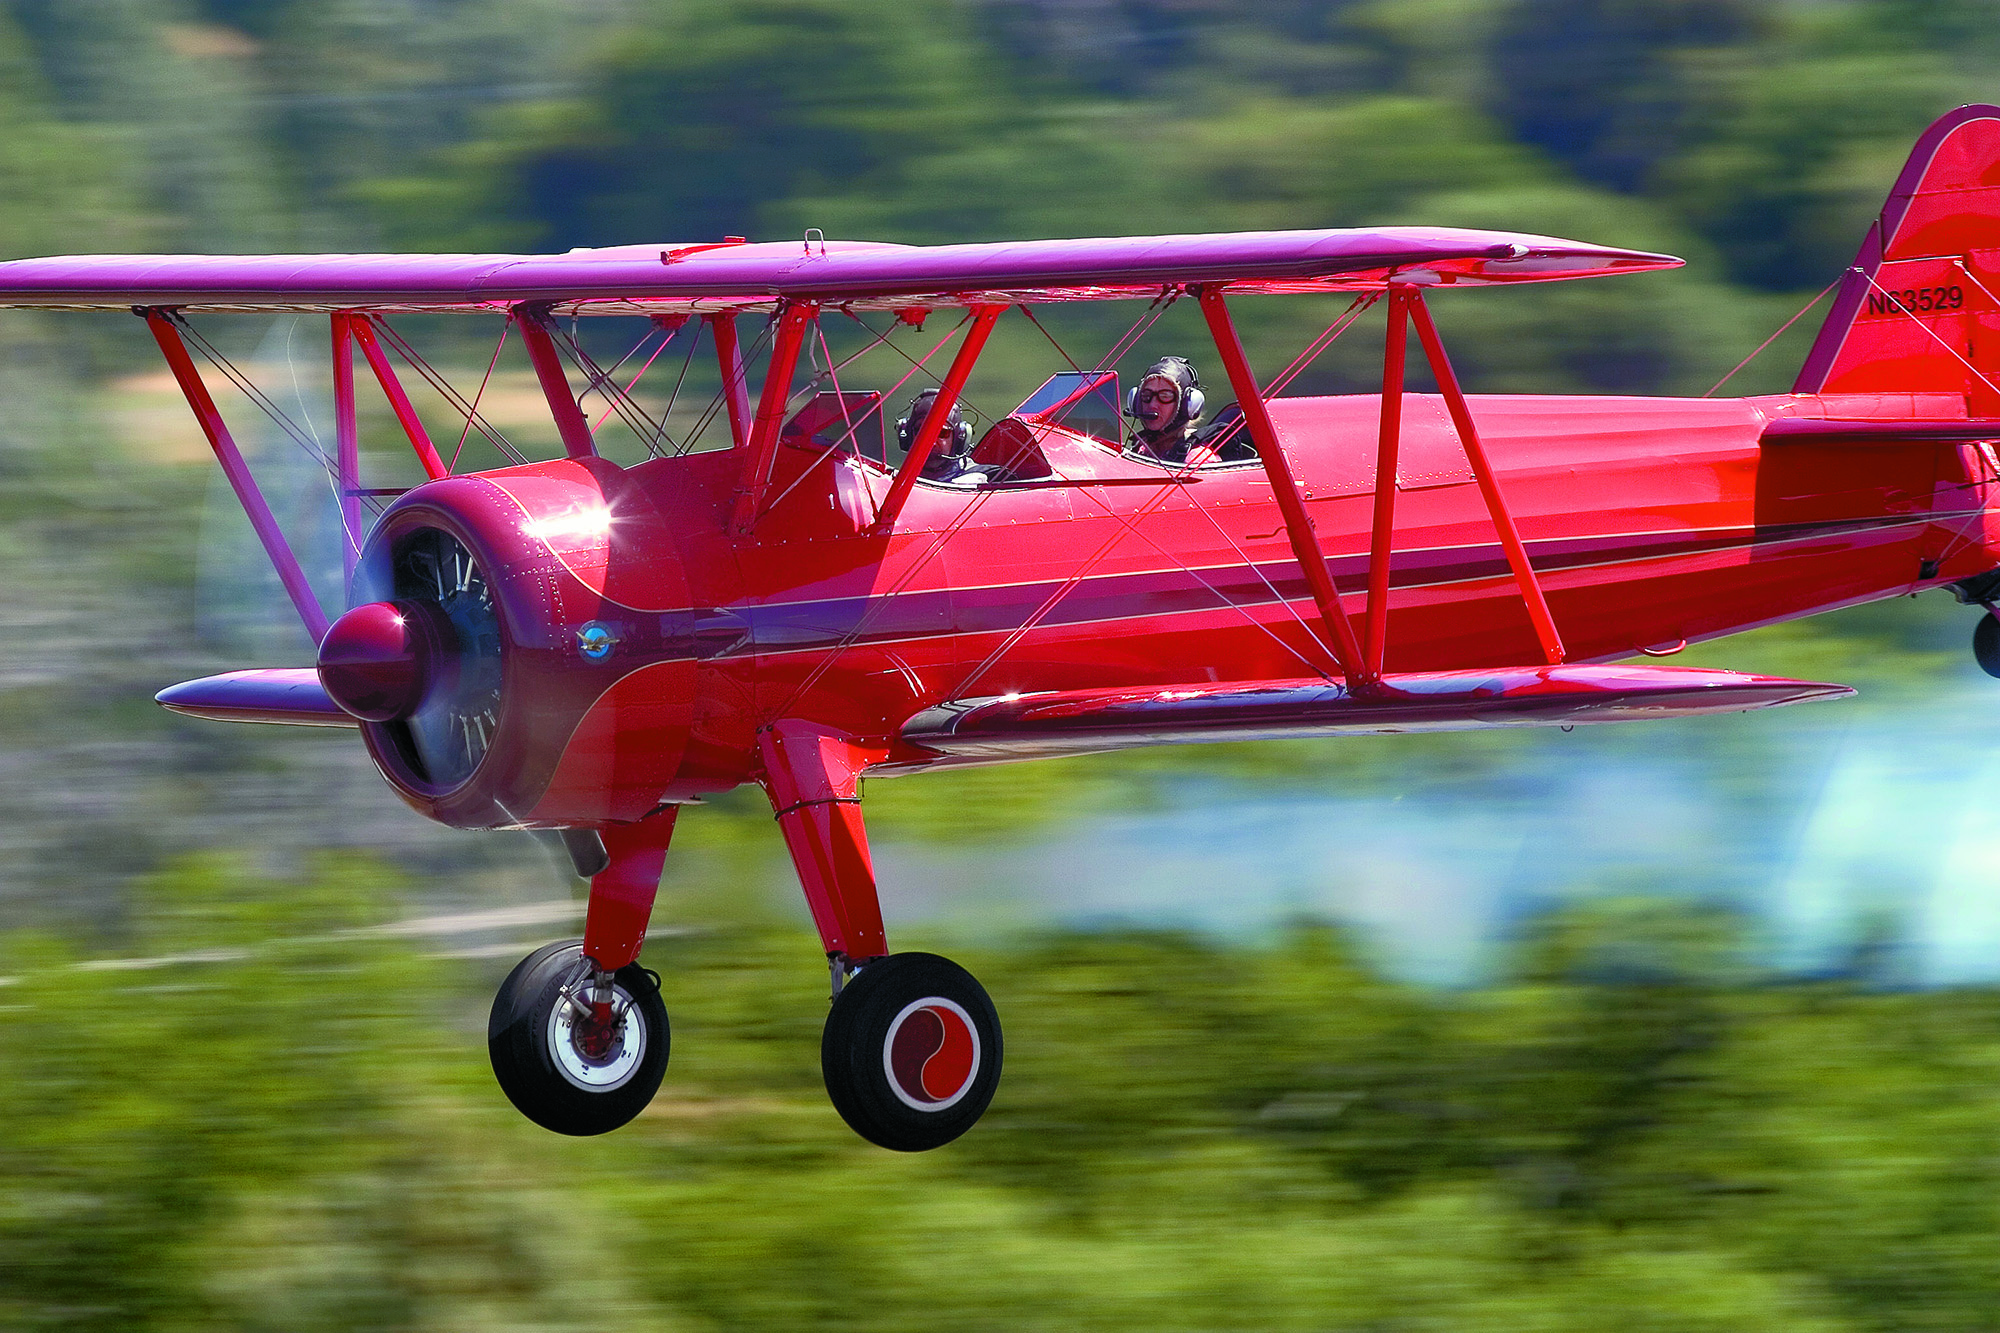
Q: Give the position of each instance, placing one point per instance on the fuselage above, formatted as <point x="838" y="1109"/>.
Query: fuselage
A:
<point x="1651" y="523"/>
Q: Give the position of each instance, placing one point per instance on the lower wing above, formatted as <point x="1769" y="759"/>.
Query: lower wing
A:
<point x="1067" y="722"/>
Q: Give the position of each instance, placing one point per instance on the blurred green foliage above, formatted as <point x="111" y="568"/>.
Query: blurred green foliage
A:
<point x="262" y="1113"/>
<point x="283" y="1121"/>
<point x="1755" y="136"/>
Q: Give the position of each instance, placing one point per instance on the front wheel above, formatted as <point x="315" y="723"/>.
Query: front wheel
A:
<point x="570" y="1058"/>
<point x="911" y="1052"/>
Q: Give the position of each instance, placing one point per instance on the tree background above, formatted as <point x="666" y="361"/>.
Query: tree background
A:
<point x="240" y="1075"/>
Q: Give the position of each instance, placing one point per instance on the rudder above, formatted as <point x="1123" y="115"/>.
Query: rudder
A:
<point x="1919" y="310"/>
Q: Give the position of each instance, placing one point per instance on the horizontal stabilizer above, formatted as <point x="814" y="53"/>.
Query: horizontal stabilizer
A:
<point x="1038" y="726"/>
<point x="291" y="696"/>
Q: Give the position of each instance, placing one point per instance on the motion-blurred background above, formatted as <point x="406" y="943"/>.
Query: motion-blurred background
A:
<point x="1683" y="1026"/>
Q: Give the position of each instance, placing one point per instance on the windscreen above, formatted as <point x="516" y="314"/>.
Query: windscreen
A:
<point x="1080" y="400"/>
<point x="848" y="420"/>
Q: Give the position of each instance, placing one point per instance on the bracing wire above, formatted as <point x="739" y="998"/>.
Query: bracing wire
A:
<point x="264" y="403"/>
<point x="598" y="379"/>
<point x="1956" y="354"/>
<point x="1342" y="322"/>
<point x="716" y="404"/>
<point x="653" y="442"/>
<point x="1759" y="349"/>
<point x="248" y="388"/>
<point x="472" y="408"/>
<point x="1061" y="351"/>
<point x="854" y="426"/>
<point x="667" y="413"/>
<point x="468" y="409"/>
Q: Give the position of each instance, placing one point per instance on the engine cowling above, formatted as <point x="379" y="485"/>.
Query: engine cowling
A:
<point x="515" y="658"/>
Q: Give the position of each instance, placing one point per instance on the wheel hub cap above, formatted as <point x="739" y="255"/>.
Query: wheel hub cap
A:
<point x="597" y="1055"/>
<point x="931" y="1054"/>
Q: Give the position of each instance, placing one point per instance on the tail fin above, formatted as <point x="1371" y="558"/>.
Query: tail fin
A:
<point x="1919" y="311"/>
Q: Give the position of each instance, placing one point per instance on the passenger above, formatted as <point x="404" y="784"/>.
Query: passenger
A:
<point x="1167" y="405"/>
<point x="951" y="457"/>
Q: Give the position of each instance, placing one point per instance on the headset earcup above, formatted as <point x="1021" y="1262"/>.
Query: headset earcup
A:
<point x="1192" y="402"/>
<point x="903" y="434"/>
<point x="1132" y="401"/>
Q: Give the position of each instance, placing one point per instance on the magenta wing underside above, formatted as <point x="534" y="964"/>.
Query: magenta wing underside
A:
<point x="864" y="275"/>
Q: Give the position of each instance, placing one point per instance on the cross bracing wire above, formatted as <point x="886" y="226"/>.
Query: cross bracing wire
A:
<point x="715" y="404"/>
<point x="652" y="445"/>
<point x="621" y="401"/>
<point x="223" y="366"/>
<point x="880" y="409"/>
<point x="1127" y="525"/>
<point x="468" y="409"/>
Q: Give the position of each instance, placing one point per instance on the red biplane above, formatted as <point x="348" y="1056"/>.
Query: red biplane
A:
<point x="586" y="647"/>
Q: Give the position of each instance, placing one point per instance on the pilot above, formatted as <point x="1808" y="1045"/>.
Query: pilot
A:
<point x="951" y="457"/>
<point x="1167" y="405"/>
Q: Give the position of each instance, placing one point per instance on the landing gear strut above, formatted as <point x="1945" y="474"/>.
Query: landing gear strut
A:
<point x="911" y="1051"/>
<point x="578" y="1035"/>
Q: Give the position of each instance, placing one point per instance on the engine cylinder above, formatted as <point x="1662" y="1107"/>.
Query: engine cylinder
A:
<point x="513" y="665"/>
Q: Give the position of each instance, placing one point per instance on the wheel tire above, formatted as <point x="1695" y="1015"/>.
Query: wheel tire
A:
<point x="911" y="1052"/>
<point x="548" y="1077"/>
<point x="1986" y="644"/>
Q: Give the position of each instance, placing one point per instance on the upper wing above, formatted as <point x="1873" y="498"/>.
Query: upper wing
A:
<point x="1041" y="726"/>
<point x="646" y="279"/>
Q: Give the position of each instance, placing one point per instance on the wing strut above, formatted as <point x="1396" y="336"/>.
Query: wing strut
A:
<point x="1382" y="533"/>
<point x="238" y="472"/>
<point x="1298" y="524"/>
<point x="571" y="424"/>
<point x="1489" y="487"/>
<point x="771" y="403"/>
<point x="735" y="387"/>
<point x="983" y="317"/>
<point x="399" y="401"/>
<point x="347" y="443"/>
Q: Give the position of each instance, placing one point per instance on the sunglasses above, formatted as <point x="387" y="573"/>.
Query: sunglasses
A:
<point x="1158" y="395"/>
